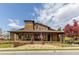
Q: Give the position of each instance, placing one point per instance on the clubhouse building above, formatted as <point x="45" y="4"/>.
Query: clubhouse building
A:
<point x="36" y="33"/>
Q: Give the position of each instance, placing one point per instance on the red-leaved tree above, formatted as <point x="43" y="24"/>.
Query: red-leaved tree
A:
<point x="75" y="28"/>
<point x="68" y="30"/>
<point x="71" y="31"/>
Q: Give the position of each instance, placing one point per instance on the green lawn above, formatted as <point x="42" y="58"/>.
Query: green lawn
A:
<point x="68" y="38"/>
<point x="6" y="45"/>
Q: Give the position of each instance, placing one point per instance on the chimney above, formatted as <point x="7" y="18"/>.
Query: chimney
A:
<point x="29" y="25"/>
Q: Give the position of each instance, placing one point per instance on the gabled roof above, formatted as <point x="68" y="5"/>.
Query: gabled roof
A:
<point x="45" y="26"/>
<point x="38" y="24"/>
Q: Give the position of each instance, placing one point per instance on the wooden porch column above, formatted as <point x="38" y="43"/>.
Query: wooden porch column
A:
<point x="42" y="38"/>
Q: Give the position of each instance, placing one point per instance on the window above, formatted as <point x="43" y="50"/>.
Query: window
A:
<point x="37" y="37"/>
<point x="28" y="36"/>
<point x="36" y="27"/>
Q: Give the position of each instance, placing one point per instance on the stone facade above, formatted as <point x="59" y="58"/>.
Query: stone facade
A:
<point x="33" y="32"/>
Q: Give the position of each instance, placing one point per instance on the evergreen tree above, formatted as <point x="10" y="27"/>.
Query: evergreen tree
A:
<point x="59" y="29"/>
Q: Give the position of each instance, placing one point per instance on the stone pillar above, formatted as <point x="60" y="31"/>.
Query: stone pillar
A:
<point x="22" y="38"/>
<point x="15" y="37"/>
<point x="54" y="37"/>
<point x="46" y="37"/>
<point x="11" y="36"/>
<point x="42" y="38"/>
<point x="51" y="37"/>
<point x="19" y="36"/>
<point x="62" y="38"/>
<point x="32" y="38"/>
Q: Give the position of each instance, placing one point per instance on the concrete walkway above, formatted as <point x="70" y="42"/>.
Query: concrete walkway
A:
<point x="55" y="50"/>
<point x="69" y="52"/>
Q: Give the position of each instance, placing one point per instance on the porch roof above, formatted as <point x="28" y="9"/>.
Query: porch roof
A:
<point x="37" y="31"/>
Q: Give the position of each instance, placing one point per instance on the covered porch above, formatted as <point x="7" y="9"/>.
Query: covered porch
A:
<point x="37" y="36"/>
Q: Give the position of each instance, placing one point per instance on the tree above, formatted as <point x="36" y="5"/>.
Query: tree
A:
<point x="59" y="29"/>
<point x="75" y="28"/>
<point x="68" y="30"/>
<point x="72" y="31"/>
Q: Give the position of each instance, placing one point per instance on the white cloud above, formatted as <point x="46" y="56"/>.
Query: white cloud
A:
<point x="71" y="21"/>
<point x="57" y="14"/>
<point x="67" y="12"/>
<point x="14" y="24"/>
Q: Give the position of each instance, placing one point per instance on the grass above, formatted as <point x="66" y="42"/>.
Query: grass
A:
<point x="35" y="49"/>
<point x="6" y="45"/>
<point x="57" y="46"/>
<point x="68" y="38"/>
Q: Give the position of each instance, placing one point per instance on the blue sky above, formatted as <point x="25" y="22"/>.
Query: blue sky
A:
<point x="19" y="12"/>
<point x="52" y="14"/>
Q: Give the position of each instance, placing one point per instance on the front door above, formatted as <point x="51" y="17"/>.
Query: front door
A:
<point x="48" y="37"/>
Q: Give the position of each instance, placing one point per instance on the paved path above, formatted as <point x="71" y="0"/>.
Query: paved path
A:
<point x="40" y="52"/>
